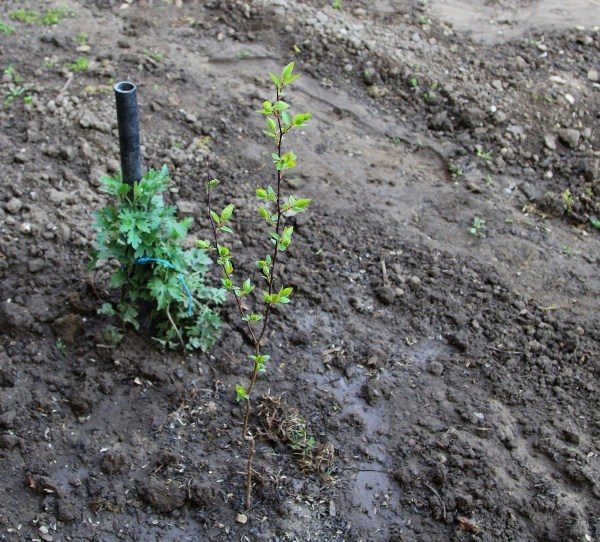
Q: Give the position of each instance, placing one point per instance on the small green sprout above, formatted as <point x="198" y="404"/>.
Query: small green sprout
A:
<point x="11" y="72"/>
<point x="81" y="38"/>
<point x="336" y="4"/>
<point x="455" y="169"/>
<point x="567" y="200"/>
<point x="478" y="227"/>
<point x="111" y="335"/>
<point x="27" y="16"/>
<point x="486" y="155"/>
<point x="595" y="222"/>
<point x="61" y="347"/>
<point x="54" y="16"/>
<point x="50" y="17"/>
<point x="153" y="55"/>
<point x="13" y="94"/>
<point x="80" y="65"/>
<point x="6" y="29"/>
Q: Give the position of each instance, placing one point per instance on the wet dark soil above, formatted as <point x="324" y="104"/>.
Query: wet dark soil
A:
<point x="456" y="377"/>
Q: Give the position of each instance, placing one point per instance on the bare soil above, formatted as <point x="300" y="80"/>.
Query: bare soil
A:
<point x="455" y="376"/>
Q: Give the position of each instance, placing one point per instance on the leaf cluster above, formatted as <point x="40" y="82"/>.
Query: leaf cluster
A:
<point x="139" y="227"/>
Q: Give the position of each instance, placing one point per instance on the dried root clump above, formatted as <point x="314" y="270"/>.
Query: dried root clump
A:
<point x="285" y="424"/>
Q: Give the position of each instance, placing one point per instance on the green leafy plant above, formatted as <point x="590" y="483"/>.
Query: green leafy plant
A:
<point x="61" y="347"/>
<point x="54" y="16"/>
<point x="81" y="38"/>
<point x="336" y="4"/>
<point x="455" y="170"/>
<point x="478" y="227"/>
<point x="159" y="278"/>
<point x="49" y="17"/>
<point x="595" y="222"/>
<point x="274" y="207"/>
<point x="14" y="87"/>
<point x="485" y="155"/>
<point x="27" y="16"/>
<point x="80" y="65"/>
<point x="6" y="29"/>
<point x="11" y="72"/>
<point x="567" y="200"/>
<point x="153" y="55"/>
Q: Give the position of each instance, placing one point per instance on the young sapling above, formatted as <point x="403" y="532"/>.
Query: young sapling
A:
<point x="274" y="208"/>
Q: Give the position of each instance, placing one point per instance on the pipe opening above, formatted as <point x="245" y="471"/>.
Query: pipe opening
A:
<point x="124" y="87"/>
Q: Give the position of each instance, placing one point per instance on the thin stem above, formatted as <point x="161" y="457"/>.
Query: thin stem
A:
<point x="248" y="499"/>
<point x="175" y="327"/>
<point x="267" y="310"/>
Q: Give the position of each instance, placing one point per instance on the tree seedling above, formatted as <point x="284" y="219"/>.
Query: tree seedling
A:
<point x="274" y="208"/>
<point x="144" y="237"/>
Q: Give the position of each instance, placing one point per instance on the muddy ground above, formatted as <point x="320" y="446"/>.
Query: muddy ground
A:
<point x="456" y="376"/>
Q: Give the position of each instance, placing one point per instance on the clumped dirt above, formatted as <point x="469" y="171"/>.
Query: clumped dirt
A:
<point x="456" y="377"/>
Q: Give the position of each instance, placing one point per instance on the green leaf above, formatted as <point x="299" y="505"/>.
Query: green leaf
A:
<point x="280" y="106"/>
<point x="227" y="212"/>
<point x="271" y="124"/>
<point x="227" y="283"/>
<point x="253" y="317"/>
<point x="301" y="204"/>
<point x="266" y="215"/>
<point x="301" y="119"/>
<point x="287" y="71"/>
<point x="177" y="229"/>
<point x="202" y="244"/>
<point x="223" y="251"/>
<point x="215" y="217"/>
<point x="106" y="310"/>
<point x="286" y="161"/>
<point x="247" y="287"/>
<point x="240" y="393"/>
<point x="117" y="279"/>
<point x="286" y="291"/>
<point x="275" y="79"/>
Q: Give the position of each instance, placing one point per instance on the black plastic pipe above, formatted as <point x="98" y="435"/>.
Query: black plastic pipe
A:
<point x="129" y="131"/>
